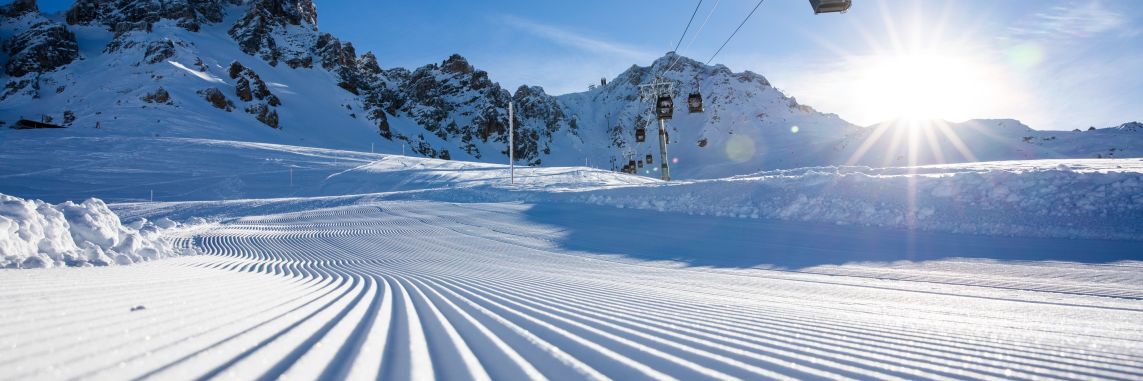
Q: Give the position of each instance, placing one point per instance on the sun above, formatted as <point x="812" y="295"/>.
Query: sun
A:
<point x="943" y="86"/>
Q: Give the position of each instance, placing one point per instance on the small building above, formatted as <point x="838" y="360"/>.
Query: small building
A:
<point x="24" y="124"/>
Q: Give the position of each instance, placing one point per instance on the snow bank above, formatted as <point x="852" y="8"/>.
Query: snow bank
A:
<point x="1096" y="199"/>
<point x="1039" y="202"/>
<point x="36" y="234"/>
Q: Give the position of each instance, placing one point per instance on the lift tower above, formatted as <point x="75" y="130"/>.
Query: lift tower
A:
<point x="661" y="93"/>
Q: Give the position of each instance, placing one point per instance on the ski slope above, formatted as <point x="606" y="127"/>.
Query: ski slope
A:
<point x="425" y="289"/>
<point x="328" y="264"/>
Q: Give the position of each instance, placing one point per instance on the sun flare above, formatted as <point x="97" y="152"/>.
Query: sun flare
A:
<point x="924" y="86"/>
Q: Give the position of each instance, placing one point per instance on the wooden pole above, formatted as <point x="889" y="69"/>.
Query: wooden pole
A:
<point x="511" y="144"/>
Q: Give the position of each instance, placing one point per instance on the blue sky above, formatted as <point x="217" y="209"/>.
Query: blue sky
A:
<point x="1052" y="64"/>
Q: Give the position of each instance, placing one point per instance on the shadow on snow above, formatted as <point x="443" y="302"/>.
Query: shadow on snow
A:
<point x="743" y="243"/>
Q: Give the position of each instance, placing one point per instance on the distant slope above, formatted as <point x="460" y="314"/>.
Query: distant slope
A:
<point x="904" y="142"/>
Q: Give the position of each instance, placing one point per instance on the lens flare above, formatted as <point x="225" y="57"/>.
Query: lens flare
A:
<point x="1025" y="56"/>
<point x="794" y="129"/>
<point x="740" y="148"/>
<point x="675" y="160"/>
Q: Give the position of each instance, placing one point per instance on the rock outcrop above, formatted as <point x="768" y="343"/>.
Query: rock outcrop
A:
<point x="39" y="45"/>
<point x="268" y="22"/>
<point x="127" y="15"/>
<point x="250" y="88"/>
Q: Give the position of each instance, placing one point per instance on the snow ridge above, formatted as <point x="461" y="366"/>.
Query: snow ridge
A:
<point x="35" y="234"/>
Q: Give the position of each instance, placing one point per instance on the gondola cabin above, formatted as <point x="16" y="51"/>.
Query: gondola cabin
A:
<point x="665" y="107"/>
<point x="694" y="103"/>
<point x="650" y="159"/>
<point x="640" y="164"/>
<point x="631" y="164"/>
<point x="830" y="6"/>
<point x="640" y="134"/>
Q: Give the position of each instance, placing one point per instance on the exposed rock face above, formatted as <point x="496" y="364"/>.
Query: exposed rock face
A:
<point x="453" y="100"/>
<point x="264" y="114"/>
<point x="458" y="103"/>
<point x="259" y="30"/>
<point x="19" y="8"/>
<point x="126" y="15"/>
<point x="41" y="45"/>
<point x="160" y="96"/>
<point x="217" y="99"/>
<point x="151" y="48"/>
<point x="159" y="51"/>
<point x="249" y="87"/>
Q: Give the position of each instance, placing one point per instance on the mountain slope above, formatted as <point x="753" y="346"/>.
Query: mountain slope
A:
<point x="261" y="70"/>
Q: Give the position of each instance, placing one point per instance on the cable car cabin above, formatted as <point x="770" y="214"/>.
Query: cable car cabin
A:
<point x="830" y="6"/>
<point x="694" y="103"/>
<point x="640" y="134"/>
<point x="665" y="107"/>
<point x="650" y="159"/>
<point x="640" y="163"/>
<point x="631" y="164"/>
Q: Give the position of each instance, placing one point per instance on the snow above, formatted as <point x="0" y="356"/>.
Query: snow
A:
<point x="1069" y="198"/>
<point x="38" y="234"/>
<point x="324" y="263"/>
<point x="796" y="245"/>
<point x="426" y="289"/>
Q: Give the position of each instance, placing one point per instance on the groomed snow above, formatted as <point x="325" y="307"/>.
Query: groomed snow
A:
<point x="328" y="264"/>
<point x="400" y="290"/>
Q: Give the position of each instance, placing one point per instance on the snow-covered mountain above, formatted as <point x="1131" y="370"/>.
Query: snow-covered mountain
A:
<point x="261" y="70"/>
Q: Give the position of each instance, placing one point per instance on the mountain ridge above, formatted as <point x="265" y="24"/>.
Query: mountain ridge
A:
<point x="229" y="66"/>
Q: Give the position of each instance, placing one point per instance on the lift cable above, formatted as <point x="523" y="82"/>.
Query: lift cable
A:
<point x="688" y="25"/>
<point x="735" y="32"/>
<point x="685" y="30"/>
<point x="699" y="31"/>
<point x="693" y="37"/>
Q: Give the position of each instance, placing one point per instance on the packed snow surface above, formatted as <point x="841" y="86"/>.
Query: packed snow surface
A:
<point x="330" y="264"/>
<point x="422" y="289"/>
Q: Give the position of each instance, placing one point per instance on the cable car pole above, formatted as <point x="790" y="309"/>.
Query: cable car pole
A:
<point x="511" y="145"/>
<point x="663" y="150"/>
<point x="661" y="90"/>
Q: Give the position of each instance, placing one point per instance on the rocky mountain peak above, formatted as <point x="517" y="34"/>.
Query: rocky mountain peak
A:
<point x="456" y="64"/>
<point x="19" y="7"/>
<point x="285" y="30"/>
<point x="1130" y="126"/>
<point x="368" y="64"/>
<point x="127" y="15"/>
<point x="37" y="44"/>
<point x="287" y="12"/>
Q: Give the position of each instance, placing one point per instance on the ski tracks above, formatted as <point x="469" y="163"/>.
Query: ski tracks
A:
<point x="426" y="290"/>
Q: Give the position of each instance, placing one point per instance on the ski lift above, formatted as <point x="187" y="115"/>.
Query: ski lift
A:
<point x="650" y="159"/>
<point x="694" y="103"/>
<point x="830" y="6"/>
<point x="640" y="134"/>
<point x="665" y="107"/>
